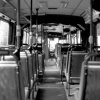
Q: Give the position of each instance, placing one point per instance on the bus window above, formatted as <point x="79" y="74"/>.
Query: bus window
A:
<point x="26" y="36"/>
<point x="4" y="31"/>
<point x="98" y="35"/>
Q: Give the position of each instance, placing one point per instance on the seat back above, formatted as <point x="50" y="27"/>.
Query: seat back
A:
<point x="10" y="89"/>
<point x="90" y="81"/>
<point x="64" y="48"/>
<point x="41" y="62"/>
<point x="37" y="62"/>
<point x="64" y="58"/>
<point x="30" y="63"/>
<point x="8" y="58"/>
<point x="67" y="64"/>
<point x="25" y="68"/>
<point x="75" y="61"/>
<point x="67" y="61"/>
<point x="34" y="61"/>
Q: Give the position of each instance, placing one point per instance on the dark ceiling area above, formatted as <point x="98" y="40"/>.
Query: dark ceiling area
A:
<point x="63" y="19"/>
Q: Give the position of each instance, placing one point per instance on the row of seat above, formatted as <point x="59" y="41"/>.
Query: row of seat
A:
<point x="70" y="64"/>
<point x="18" y="79"/>
<point x="67" y="61"/>
<point x="89" y="87"/>
<point x="10" y="87"/>
<point x="84" y="72"/>
<point x="73" y="67"/>
<point x="84" y="69"/>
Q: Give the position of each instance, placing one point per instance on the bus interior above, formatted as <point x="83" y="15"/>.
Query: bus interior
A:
<point x="49" y="50"/>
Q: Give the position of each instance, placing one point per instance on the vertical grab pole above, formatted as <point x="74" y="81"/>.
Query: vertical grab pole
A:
<point x="41" y="34"/>
<point x="42" y="49"/>
<point x="62" y="57"/>
<point x="37" y="25"/>
<point x="17" y="51"/>
<point x="30" y="47"/>
<point x="37" y="65"/>
<point x="91" y="27"/>
<point x="31" y="34"/>
<point x="18" y="27"/>
<point x="18" y="32"/>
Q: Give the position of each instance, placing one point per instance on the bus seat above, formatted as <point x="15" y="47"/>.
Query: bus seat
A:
<point x="89" y="88"/>
<point x="35" y="65"/>
<point x="74" y="68"/>
<point x="41" y="62"/>
<point x="12" y="58"/>
<point x="8" y="58"/>
<point x="9" y="83"/>
<point x="66" y="65"/>
<point x="64" y="48"/>
<point x="76" y="60"/>
<point x="30" y="64"/>
<point x="34" y="61"/>
<point x="24" y="63"/>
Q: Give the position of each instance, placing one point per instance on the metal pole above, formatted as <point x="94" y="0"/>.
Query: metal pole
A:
<point x="41" y="32"/>
<point x="30" y="49"/>
<point x="37" y="25"/>
<point x="91" y="27"/>
<point x="17" y="51"/>
<point x="18" y="27"/>
<point x="31" y="35"/>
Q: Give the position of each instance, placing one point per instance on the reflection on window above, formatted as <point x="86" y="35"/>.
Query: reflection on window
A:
<point x="4" y="31"/>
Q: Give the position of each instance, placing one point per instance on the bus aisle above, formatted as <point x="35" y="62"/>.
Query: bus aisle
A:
<point x="51" y="87"/>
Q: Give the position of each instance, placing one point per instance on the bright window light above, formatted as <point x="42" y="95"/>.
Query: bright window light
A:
<point x="4" y="31"/>
<point x="98" y="35"/>
<point x="52" y="43"/>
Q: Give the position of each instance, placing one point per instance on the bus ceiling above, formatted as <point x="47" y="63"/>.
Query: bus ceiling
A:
<point x="59" y="11"/>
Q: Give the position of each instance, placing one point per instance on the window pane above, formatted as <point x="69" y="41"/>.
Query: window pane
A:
<point x="4" y="30"/>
